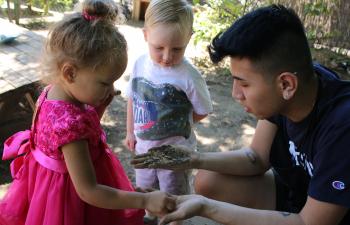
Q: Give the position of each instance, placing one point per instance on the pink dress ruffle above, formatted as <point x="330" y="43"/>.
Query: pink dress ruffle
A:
<point x="39" y="195"/>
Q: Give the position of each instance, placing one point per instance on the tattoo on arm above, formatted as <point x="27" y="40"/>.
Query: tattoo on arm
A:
<point x="285" y="214"/>
<point x="251" y="157"/>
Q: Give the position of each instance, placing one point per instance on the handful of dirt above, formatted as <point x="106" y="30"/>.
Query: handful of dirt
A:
<point x="165" y="156"/>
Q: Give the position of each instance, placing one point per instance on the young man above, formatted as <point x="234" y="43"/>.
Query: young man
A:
<point x="295" y="169"/>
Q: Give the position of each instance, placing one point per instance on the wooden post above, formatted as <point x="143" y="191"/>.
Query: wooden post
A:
<point x="139" y="6"/>
<point x="136" y="4"/>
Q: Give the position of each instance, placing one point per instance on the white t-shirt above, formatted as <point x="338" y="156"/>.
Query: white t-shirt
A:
<point x="164" y="99"/>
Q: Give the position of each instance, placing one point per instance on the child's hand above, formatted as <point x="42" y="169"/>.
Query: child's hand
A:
<point x="110" y="98"/>
<point x="130" y="142"/>
<point x="102" y="107"/>
<point x="159" y="203"/>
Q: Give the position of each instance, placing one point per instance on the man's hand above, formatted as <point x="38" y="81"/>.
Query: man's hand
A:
<point x="187" y="206"/>
<point x="171" y="157"/>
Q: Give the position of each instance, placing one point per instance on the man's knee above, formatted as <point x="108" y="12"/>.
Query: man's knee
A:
<point x="240" y="190"/>
<point x="204" y="183"/>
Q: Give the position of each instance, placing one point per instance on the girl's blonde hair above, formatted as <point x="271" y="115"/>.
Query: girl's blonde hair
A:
<point x="174" y="12"/>
<point x="88" y="38"/>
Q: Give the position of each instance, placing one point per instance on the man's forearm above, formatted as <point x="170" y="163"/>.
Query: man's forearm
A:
<point x="229" y="214"/>
<point x="238" y="162"/>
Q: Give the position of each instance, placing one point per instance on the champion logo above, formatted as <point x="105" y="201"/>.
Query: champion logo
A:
<point x="339" y="185"/>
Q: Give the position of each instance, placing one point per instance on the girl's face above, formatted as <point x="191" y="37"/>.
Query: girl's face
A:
<point x="93" y="87"/>
<point x="166" y="44"/>
<point x="253" y="91"/>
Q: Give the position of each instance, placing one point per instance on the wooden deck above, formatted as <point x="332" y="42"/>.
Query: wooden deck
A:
<point x="19" y="59"/>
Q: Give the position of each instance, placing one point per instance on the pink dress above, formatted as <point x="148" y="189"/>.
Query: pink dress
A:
<point x="42" y="192"/>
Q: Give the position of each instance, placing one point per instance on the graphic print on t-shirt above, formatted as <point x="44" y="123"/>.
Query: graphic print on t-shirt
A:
<point x="300" y="159"/>
<point x="160" y="110"/>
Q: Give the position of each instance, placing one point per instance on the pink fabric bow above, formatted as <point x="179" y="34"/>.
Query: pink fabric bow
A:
<point x="15" y="146"/>
<point x="19" y="144"/>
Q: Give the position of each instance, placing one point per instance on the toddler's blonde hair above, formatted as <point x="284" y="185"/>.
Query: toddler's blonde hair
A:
<point x="172" y="12"/>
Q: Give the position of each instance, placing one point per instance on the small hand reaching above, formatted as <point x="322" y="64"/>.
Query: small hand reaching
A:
<point x="172" y="157"/>
<point x="159" y="203"/>
<point x="187" y="206"/>
<point x="101" y="108"/>
<point x="130" y="142"/>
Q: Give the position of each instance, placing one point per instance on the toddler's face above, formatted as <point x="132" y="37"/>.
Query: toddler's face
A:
<point x="93" y="87"/>
<point x="166" y="44"/>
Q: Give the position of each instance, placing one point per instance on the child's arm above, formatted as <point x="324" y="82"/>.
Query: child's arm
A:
<point x="83" y="176"/>
<point x="197" y="117"/>
<point x="130" y="140"/>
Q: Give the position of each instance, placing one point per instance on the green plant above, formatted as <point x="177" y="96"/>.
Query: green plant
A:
<point x="315" y="8"/>
<point x="316" y="32"/>
<point x="56" y="5"/>
<point x="61" y="5"/>
<point x="213" y="17"/>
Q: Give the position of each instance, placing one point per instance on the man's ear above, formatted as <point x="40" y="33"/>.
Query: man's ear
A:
<point x="144" y="31"/>
<point x="288" y="84"/>
<point x="69" y="72"/>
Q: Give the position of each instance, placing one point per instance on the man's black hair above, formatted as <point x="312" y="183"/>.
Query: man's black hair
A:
<point x="272" y="37"/>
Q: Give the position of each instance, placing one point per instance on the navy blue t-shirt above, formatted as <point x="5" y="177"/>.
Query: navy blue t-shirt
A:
<point x="312" y="157"/>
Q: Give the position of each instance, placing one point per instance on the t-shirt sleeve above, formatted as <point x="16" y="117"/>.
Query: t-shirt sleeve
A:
<point x="128" y="88"/>
<point x="199" y="95"/>
<point x="331" y="181"/>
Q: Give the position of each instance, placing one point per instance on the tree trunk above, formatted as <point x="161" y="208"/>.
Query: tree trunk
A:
<point x="9" y="10"/>
<point x="29" y="5"/>
<point x="17" y="10"/>
<point x="46" y="7"/>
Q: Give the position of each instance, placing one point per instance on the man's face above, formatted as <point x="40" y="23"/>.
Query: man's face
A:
<point x="258" y="94"/>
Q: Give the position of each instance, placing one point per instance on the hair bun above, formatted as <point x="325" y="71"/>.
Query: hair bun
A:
<point x="100" y="9"/>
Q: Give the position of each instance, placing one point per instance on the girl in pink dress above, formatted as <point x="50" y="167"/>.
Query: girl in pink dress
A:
<point x="64" y="172"/>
